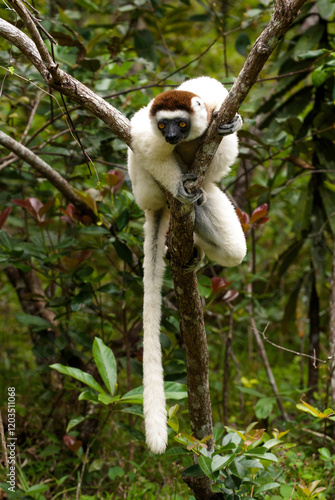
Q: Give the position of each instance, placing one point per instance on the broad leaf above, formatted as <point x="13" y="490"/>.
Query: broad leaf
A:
<point x="106" y="364"/>
<point x="83" y="377"/>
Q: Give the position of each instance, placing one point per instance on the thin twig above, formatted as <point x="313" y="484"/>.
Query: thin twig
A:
<point x="82" y="473"/>
<point x="29" y="22"/>
<point x="3" y="442"/>
<point x="315" y="359"/>
<point x="31" y="116"/>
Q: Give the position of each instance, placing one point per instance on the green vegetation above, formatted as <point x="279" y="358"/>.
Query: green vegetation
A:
<point x="71" y="282"/>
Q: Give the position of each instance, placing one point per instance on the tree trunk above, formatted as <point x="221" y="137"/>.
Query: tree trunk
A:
<point x="314" y="338"/>
<point x="332" y="335"/>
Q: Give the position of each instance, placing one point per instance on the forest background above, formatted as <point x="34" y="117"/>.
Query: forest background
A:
<point x="71" y="264"/>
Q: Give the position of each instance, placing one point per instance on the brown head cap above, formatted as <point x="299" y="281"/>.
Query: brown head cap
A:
<point x="172" y="100"/>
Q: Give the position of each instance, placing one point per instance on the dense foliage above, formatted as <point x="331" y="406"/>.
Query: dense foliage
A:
<point x="71" y="282"/>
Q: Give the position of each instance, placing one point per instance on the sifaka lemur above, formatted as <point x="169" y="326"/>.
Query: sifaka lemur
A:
<point x="163" y="136"/>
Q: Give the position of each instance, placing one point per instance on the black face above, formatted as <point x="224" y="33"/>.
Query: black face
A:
<point x="174" y="130"/>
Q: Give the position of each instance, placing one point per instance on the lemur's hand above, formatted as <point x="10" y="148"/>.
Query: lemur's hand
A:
<point x="184" y="195"/>
<point x="233" y="126"/>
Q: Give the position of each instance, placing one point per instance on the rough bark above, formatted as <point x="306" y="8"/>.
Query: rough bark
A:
<point x="314" y="338"/>
<point x="332" y="331"/>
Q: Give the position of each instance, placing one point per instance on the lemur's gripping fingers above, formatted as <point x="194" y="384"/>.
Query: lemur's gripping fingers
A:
<point x="183" y="194"/>
<point x="202" y="199"/>
<point x="195" y="262"/>
<point x="233" y="126"/>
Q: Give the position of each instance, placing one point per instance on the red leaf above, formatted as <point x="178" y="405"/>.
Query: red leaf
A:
<point x="114" y="179"/>
<point x="261" y="221"/>
<point x="44" y="208"/>
<point x="72" y="443"/>
<point x="230" y="295"/>
<point x="4" y="216"/>
<point x="259" y="212"/>
<point x="219" y="284"/>
<point x="73" y="261"/>
<point x="243" y="216"/>
<point x="72" y="214"/>
<point x="244" y="219"/>
<point x="33" y="206"/>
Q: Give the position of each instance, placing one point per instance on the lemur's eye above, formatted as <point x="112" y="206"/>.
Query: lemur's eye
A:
<point x="182" y="124"/>
<point x="161" y="126"/>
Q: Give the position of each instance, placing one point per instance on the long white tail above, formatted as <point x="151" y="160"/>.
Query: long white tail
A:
<point x="154" y="406"/>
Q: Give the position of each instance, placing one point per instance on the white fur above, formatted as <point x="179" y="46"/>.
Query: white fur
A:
<point x="169" y="115"/>
<point x="218" y="232"/>
<point x="153" y="380"/>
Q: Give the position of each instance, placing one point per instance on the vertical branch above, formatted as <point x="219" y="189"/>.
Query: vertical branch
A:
<point x="314" y="337"/>
<point x="3" y="442"/>
<point x="192" y="325"/>
<point x="194" y="335"/>
<point x="227" y="356"/>
<point x="332" y="331"/>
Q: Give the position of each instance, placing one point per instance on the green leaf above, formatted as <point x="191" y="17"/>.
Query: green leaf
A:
<point x="134" y="410"/>
<point x="88" y="396"/>
<point x="110" y="288"/>
<point x="115" y="472"/>
<point x="325" y="454"/>
<point x="106" y="364"/>
<point x="267" y="486"/>
<point x="269" y="456"/>
<point x="135" y="433"/>
<point x="193" y="471"/>
<point x="206" y="465"/>
<point x="264" y="407"/>
<point x="271" y="443"/>
<point x="175" y="390"/>
<point x="122" y="220"/>
<point x="84" y="297"/>
<point x="6" y="241"/>
<point x="75" y="421"/>
<point x="106" y="399"/>
<point x="88" y="4"/>
<point x="327" y="196"/>
<point x="94" y="230"/>
<point x="242" y="44"/>
<point x="326" y="9"/>
<point x="177" y="450"/>
<point x="258" y="452"/>
<point x="123" y="251"/>
<point x="252" y="464"/>
<point x="135" y="396"/>
<point x="238" y="469"/>
<point x="309" y="409"/>
<point x="321" y="74"/>
<point x="37" y="488"/>
<point x="96" y="465"/>
<point x="84" y="272"/>
<point x="145" y="45"/>
<point x="49" y="451"/>
<point x="31" y="320"/>
<point x="218" y="433"/>
<point x="309" y="39"/>
<point x="220" y="462"/>
<point x="199" y="18"/>
<point x="83" y="377"/>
